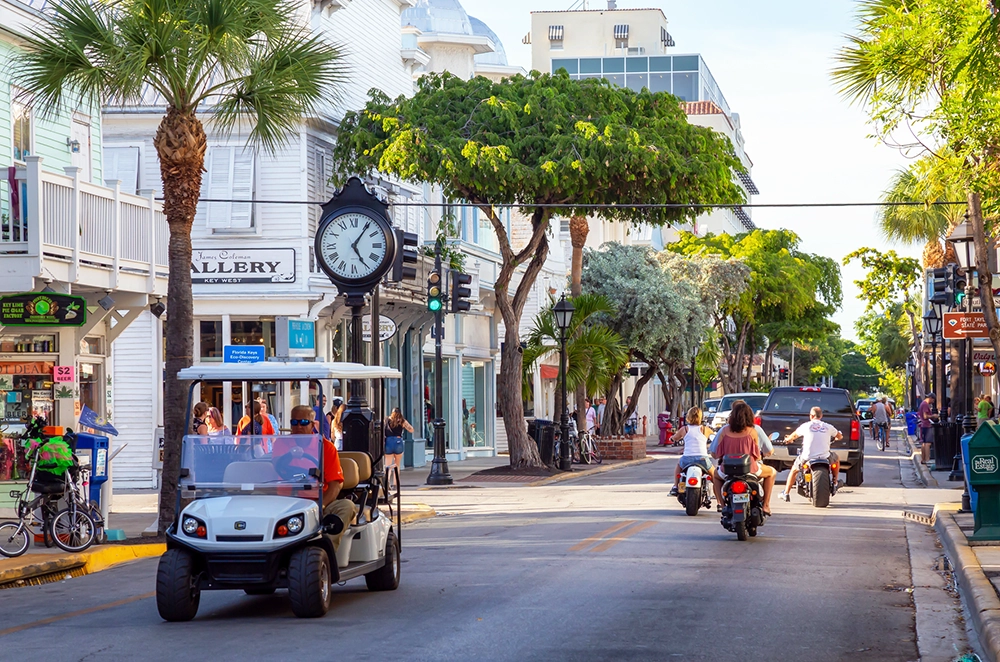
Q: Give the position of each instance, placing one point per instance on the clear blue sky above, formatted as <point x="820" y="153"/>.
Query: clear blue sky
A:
<point x="772" y="60"/>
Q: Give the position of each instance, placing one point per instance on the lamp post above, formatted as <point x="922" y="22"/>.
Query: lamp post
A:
<point x="932" y="324"/>
<point x="911" y="368"/>
<point x="962" y="237"/>
<point x="563" y="312"/>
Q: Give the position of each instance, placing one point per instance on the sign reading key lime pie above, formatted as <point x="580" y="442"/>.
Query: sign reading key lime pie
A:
<point x="42" y="309"/>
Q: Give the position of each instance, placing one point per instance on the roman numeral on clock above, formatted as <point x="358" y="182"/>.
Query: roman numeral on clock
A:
<point x="373" y="256"/>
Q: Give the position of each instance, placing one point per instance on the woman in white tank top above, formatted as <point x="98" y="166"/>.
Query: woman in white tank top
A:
<point x="695" y="436"/>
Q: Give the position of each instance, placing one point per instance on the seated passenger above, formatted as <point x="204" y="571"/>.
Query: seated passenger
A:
<point x="739" y="437"/>
<point x="695" y="436"/>
<point x="333" y="476"/>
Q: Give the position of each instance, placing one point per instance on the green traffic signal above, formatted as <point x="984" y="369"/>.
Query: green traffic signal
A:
<point x="434" y="305"/>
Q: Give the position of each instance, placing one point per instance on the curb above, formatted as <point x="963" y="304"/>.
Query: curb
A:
<point x="923" y="475"/>
<point x="415" y="516"/>
<point x="980" y="596"/>
<point x="570" y="475"/>
<point x="89" y="562"/>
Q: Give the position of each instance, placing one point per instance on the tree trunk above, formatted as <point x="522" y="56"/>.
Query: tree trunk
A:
<point x="769" y="364"/>
<point x="918" y="355"/>
<point x="983" y="269"/>
<point x="612" y="421"/>
<point x="180" y="143"/>
<point x="579" y="228"/>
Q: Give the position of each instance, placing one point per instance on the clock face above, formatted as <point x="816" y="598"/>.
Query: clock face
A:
<point x="353" y="246"/>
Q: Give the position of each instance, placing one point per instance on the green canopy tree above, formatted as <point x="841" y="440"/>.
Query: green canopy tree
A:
<point x="237" y="63"/>
<point x="551" y="146"/>
<point x="856" y="373"/>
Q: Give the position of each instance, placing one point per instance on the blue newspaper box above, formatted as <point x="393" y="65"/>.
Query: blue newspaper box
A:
<point x="973" y="495"/>
<point x="911" y="423"/>
<point x="96" y="449"/>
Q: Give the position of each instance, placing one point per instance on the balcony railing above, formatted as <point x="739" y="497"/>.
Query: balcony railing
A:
<point x="86" y="227"/>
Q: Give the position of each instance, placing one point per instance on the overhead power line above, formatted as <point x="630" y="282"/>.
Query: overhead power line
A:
<point x="621" y="205"/>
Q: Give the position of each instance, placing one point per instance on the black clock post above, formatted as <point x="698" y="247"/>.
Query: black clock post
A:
<point x="355" y="246"/>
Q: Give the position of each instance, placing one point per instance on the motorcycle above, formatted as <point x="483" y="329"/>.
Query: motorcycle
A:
<point x="743" y="497"/>
<point x="695" y="490"/>
<point x="815" y="481"/>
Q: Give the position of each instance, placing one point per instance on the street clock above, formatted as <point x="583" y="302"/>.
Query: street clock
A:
<point x="355" y="242"/>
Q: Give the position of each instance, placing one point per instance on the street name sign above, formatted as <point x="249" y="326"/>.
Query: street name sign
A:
<point x="958" y="326"/>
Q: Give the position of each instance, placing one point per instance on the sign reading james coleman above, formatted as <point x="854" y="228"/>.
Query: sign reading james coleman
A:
<point x="242" y="265"/>
<point x="42" y="309"/>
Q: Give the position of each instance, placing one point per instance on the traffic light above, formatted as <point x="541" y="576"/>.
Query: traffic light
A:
<point x="961" y="281"/>
<point x="782" y="373"/>
<point x="435" y="297"/>
<point x="940" y="290"/>
<point x="460" y="291"/>
<point x="406" y="253"/>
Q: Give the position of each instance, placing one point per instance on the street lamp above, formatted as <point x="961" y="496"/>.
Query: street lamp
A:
<point x="932" y="325"/>
<point x="563" y="312"/>
<point x="911" y="372"/>
<point x="962" y="237"/>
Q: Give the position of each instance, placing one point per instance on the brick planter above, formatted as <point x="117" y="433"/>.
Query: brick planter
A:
<point x="622" y="447"/>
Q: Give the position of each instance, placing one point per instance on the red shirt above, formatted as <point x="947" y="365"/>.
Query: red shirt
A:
<point x="743" y="443"/>
<point x="332" y="471"/>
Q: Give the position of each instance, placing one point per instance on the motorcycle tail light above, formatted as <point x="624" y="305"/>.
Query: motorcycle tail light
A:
<point x="693" y="482"/>
<point x="855" y="431"/>
<point x="739" y="487"/>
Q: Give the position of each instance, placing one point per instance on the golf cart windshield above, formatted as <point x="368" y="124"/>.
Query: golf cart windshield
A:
<point x="276" y="465"/>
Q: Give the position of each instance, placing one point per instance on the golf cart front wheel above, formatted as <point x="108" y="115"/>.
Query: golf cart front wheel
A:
<point x="386" y="578"/>
<point x="309" y="582"/>
<point x="177" y="592"/>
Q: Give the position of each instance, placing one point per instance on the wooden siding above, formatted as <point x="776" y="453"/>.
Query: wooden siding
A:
<point x="135" y="414"/>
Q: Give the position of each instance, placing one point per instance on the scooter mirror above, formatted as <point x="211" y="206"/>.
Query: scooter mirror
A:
<point x="775" y="436"/>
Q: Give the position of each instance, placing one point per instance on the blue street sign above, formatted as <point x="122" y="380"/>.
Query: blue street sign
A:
<point x="301" y="334"/>
<point x="243" y="354"/>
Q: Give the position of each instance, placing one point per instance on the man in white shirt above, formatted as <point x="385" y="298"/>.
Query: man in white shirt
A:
<point x="816" y="439"/>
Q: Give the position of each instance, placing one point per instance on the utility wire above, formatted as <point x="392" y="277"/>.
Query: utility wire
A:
<point x="622" y="205"/>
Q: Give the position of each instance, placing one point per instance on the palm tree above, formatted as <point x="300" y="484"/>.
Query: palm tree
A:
<point x="911" y="223"/>
<point x="594" y="352"/>
<point x="237" y="63"/>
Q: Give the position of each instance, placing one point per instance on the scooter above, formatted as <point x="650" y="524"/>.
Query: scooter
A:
<point x="743" y="497"/>
<point x="694" y="490"/>
<point x="815" y="481"/>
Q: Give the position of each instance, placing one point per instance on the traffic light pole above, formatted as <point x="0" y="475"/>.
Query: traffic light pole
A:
<point x="439" y="474"/>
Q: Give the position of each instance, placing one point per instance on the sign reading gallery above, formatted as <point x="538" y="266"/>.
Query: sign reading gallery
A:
<point x="242" y="265"/>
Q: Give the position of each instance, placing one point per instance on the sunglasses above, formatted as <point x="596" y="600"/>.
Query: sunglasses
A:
<point x="300" y="422"/>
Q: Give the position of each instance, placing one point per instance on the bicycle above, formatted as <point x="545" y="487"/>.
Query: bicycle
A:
<point x="881" y="436"/>
<point x="15" y="536"/>
<point x="588" y="450"/>
<point x="557" y="449"/>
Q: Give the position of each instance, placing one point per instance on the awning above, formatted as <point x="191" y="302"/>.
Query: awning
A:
<point x="549" y="371"/>
<point x="621" y="32"/>
<point x="666" y="39"/>
<point x="555" y="33"/>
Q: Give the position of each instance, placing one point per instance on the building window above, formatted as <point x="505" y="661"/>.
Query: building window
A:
<point x="253" y="332"/>
<point x="210" y="341"/>
<point x="686" y="86"/>
<point x="21" y="119"/>
<point x="555" y="37"/>
<point x="569" y="65"/>
<point x="229" y="176"/>
<point x="621" y="36"/>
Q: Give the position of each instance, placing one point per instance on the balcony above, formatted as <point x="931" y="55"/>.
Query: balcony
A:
<point x="88" y="236"/>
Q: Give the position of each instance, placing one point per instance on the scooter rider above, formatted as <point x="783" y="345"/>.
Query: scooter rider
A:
<point x="816" y="439"/>
<point x="695" y="436"/>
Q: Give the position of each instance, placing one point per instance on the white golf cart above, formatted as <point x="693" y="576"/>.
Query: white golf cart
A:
<point x="250" y="513"/>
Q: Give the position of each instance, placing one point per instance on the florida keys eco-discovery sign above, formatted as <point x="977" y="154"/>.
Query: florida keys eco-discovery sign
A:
<point x="42" y="309"/>
<point x="232" y="266"/>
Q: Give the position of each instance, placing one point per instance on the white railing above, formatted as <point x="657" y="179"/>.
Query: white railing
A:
<point x="84" y="224"/>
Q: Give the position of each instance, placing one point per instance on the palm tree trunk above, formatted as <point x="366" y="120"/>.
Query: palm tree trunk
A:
<point x="578" y="231"/>
<point x="180" y="143"/>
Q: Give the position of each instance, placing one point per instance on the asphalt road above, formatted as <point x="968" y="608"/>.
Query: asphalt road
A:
<point x="537" y="574"/>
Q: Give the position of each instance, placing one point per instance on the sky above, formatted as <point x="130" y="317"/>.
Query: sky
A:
<point x="772" y="59"/>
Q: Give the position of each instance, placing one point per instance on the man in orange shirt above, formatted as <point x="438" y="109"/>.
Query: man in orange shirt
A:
<point x="333" y="475"/>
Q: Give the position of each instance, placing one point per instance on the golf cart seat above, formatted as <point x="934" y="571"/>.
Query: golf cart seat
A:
<point x="250" y="472"/>
<point x="350" y="469"/>
<point x="364" y="462"/>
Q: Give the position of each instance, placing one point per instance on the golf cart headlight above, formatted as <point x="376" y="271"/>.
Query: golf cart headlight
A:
<point x="193" y="527"/>
<point x="295" y="524"/>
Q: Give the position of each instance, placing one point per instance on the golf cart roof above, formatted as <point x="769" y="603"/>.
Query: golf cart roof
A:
<point x="278" y="371"/>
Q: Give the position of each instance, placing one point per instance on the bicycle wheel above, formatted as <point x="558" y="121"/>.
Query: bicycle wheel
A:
<point x="595" y="453"/>
<point x="73" y="530"/>
<point x="13" y="539"/>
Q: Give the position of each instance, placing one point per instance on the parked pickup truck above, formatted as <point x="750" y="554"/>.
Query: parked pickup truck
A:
<point x="787" y="407"/>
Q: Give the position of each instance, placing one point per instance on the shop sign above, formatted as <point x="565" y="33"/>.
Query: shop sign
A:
<point x="26" y="368"/>
<point x="40" y="396"/>
<point x="294" y="337"/>
<point x="64" y="392"/>
<point x="63" y="373"/>
<point x="6" y="383"/>
<point x="42" y="309"/>
<point x="243" y="354"/>
<point x="988" y="368"/>
<point x="386" y="328"/>
<point x="980" y="355"/>
<point x="234" y="266"/>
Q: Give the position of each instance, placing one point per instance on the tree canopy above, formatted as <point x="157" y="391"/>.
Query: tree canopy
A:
<point x="548" y="145"/>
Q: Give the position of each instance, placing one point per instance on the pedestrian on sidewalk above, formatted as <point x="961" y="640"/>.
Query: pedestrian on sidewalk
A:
<point x="198" y="425"/>
<point x="591" y="417"/>
<point x="926" y="418"/>
<point x="601" y="406"/>
<point x="216" y="425"/>
<point x="337" y="427"/>
<point x="394" y="427"/>
<point x="984" y="410"/>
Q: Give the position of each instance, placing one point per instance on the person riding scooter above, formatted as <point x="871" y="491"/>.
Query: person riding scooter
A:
<point x="816" y="439"/>
<point x="695" y="436"/>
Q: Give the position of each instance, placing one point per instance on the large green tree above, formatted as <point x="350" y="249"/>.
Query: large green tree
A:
<point x="786" y="289"/>
<point x="248" y="64"/>
<point x="930" y="70"/>
<point x="549" y="145"/>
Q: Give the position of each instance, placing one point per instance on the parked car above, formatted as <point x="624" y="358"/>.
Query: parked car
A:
<point x="787" y="407"/>
<point x="709" y="407"/>
<point x="721" y="417"/>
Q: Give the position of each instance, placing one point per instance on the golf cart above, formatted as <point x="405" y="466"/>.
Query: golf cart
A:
<point x="250" y="508"/>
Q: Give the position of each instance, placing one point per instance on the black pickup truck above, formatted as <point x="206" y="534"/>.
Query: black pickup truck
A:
<point x="787" y="407"/>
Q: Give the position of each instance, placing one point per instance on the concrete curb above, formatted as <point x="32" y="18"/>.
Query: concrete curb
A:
<point x="91" y="561"/>
<point x="604" y="468"/>
<point x="923" y="475"/>
<point x="416" y="515"/>
<point x="980" y="596"/>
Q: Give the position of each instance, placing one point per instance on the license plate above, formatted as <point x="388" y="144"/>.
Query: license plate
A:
<point x="741" y="498"/>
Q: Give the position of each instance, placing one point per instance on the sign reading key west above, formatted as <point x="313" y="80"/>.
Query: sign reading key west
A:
<point x="42" y="309"/>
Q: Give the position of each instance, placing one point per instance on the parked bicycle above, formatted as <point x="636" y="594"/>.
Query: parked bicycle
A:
<point x="588" y="450"/>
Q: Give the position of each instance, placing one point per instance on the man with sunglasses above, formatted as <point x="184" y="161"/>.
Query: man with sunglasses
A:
<point x="301" y="423"/>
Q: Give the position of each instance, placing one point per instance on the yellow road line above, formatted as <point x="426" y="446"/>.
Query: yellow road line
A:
<point x="627" y="533"/>
<point x="74" y="614"/>
<point x="607" y="532"/>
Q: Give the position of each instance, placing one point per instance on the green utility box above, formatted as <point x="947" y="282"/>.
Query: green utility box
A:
<point x="984" y="478"/>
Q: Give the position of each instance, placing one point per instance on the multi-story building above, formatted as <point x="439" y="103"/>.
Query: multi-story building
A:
<point x="63" y="231"/>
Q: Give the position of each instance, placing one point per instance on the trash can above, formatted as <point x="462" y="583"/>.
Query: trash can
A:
<point x="984" y="478"/>
<point x="93" y="451"/>
<point x="911" y="423"/>
<point x="546" y="440"/>
<point x="945" y="443"/>
<point x="662" y="420"/>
